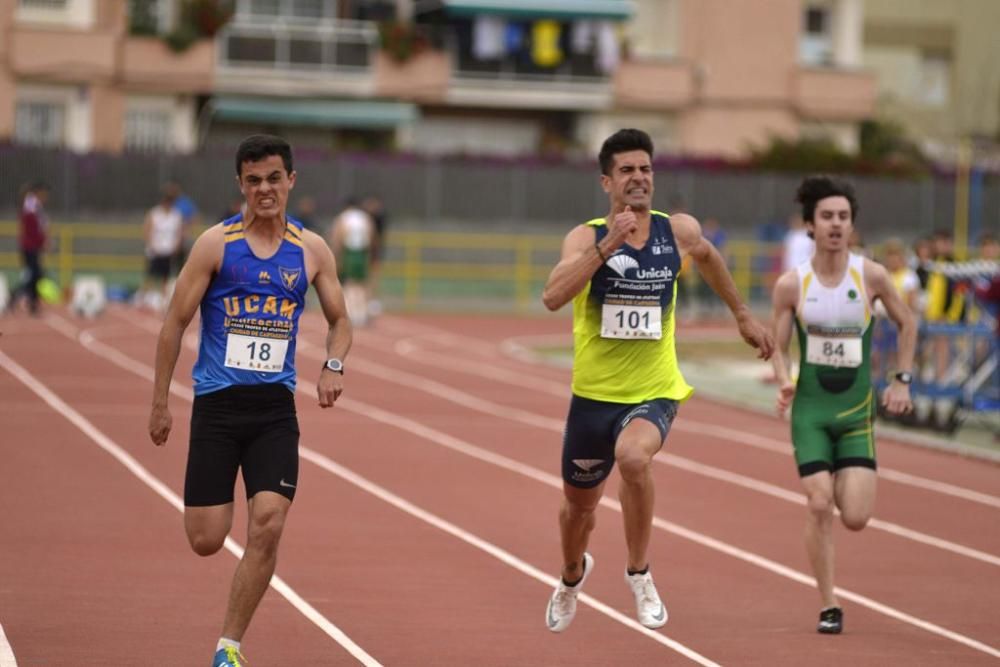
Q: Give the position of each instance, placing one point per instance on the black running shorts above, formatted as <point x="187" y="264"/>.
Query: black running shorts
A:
<point x="593" y="427"/>
<point x="252" y="427"/>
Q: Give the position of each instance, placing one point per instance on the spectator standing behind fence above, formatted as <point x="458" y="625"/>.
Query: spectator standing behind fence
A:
<point x="923" y="256"/>
<point x="989" y="247"/>
<point x="945" y="305"/>
<point x="708" y="303"/>
<point x="32" y="241"/>
<point x="190" y="218"/>
<point x="903" y="277"/>
<point x="305" y="213"/>
<point x="163" y="232"/>
<point x="351" y="238"/>
<point x="798" y="245"/>
<point x="375" y="209"/>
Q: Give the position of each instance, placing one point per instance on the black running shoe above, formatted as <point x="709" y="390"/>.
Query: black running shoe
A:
<point x="831" y="621"/>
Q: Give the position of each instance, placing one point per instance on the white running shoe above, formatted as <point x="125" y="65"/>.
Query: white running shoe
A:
<point x="648" y="607"/>
<point x="562" y="605"/>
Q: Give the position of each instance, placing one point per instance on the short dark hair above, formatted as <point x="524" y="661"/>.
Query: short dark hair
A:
<point x="257" y="147"/>
<point x="814" y="188"/>
<point x="623" y="141"/>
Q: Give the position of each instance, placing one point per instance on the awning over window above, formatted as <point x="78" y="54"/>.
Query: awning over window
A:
<point x="554" y="9"/>
<point x="362" y="115"/>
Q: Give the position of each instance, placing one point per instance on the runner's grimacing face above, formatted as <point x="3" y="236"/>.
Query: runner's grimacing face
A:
<point x="832" y="223"/>
<point x="265" y="185"/>
<point x="630" y="182"/>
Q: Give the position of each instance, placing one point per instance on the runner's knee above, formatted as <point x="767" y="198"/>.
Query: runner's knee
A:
<point x="205" y="544"/>
<point x="265" y="529"/>
<point x="576" y="509"/>
<point x="854" y="519"/>
<point x="821" y="504"/>
<point x="633" y="463"/>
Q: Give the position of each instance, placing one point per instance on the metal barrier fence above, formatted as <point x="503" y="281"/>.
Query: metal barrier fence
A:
<point x="494" y="271"/>
<point x="479" y="194"/>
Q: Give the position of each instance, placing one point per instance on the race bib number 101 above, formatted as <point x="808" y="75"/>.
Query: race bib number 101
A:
<point x="631" y="322"/>
<point x="264" y="355"/>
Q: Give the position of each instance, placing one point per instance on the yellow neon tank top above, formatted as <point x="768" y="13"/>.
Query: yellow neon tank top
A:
<point x="623" y="322"/>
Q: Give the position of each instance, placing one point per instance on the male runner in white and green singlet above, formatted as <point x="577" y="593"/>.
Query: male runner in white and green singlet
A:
<point x="620" y="272"/>
<point x="829" y="298"/>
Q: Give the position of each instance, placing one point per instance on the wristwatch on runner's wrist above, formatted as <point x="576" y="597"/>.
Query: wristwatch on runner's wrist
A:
<point x="904" y="377"/>
<point x="335" y="365"/>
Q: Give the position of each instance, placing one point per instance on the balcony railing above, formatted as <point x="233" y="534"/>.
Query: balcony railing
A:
<point x="575" y="68"/>
<point x="325" y="46"/>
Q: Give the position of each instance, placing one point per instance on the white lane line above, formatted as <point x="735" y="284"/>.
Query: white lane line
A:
<point x="448" y="393"/>
<point x="7" y="658"/>
<point x="161" y="489"/>
<point x="493" y="550"/>
<point x="522" y="379"/>
<point x="784" y="448"/>
<point x="523" y="469"/>
<point x="487" y="456"/>
<point x="87" y="339"/>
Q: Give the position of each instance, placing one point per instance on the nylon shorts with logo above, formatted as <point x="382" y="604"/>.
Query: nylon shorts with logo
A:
<point x="593" y="427"/>
<point x="252" y="427"/>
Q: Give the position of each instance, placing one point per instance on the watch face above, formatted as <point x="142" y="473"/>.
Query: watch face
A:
<point x="905" y="378"/>
<point x="335" y="365"/>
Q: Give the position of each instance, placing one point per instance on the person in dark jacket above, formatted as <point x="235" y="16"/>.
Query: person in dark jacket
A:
<point x="32" y="240"/>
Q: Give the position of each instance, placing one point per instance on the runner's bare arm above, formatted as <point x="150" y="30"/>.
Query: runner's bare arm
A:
<point x="193" y="281"/>
<point x="879" y="285"/>
<point x="582" y="255"/>
<point x="579" y="260"/>
<point x="331" y="300"/>
<point x="712" y="267"/>
<point x="784" y="302"/>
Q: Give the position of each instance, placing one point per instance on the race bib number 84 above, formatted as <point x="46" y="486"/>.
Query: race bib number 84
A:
<point x="619" y="321"/>
<point x="840" y="352"/>
<point x="264" y="355"/>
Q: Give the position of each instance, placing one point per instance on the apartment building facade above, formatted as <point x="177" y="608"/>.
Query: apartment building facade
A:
<point x="495" y="77"/>
<point x="936" y="68"/>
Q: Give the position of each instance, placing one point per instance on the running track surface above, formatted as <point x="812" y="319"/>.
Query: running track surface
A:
<point x="424" y="531"/>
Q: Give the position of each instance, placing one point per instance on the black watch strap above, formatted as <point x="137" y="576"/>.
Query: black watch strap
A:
<point x="904" y="377"/>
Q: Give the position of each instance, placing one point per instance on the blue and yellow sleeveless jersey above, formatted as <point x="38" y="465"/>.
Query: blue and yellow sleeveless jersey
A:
<point x="250" y="313"/>
<point x="623" y="322"/>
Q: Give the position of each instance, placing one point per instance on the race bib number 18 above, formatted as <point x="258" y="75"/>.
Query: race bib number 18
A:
<point x="838" y="352"/>
<point x="631" y="322"/>
<point x="264" y="355"/>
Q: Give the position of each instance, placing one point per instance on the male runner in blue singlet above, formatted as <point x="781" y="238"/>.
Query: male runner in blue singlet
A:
<point x="249" y="276"/>
<point x="620" y="272"/>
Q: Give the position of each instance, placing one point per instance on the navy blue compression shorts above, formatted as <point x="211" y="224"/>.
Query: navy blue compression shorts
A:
<point x="593" y="427"/>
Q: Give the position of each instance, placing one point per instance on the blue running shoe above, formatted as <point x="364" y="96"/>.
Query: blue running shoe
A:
<point x="229" y="656"/>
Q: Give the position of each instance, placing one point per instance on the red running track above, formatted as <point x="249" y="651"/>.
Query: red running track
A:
<point x="424" y="531"/>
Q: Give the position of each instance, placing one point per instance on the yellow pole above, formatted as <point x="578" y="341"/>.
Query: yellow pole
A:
<point x="65" y="256"/>
<point x="962" y="170"/>
<point x="522" y="272"/>
<point x="411" y="270"/>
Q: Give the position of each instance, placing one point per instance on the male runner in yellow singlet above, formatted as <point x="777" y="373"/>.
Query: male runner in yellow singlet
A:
<point x="829" y="298"/>
<point x="620" y="272"/>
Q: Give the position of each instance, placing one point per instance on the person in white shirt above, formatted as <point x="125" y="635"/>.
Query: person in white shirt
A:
<point x="163" y="229"/>
<point x="799" y="246"/>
